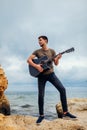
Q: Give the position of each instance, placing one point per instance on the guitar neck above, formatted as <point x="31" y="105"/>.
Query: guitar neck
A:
<point x="66" y="51"/>
<point x="51" y="59"/>
<point x="58" y="54"/>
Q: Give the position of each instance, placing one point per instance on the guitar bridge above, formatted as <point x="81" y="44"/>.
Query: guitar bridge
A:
<point x="45" y="67"/>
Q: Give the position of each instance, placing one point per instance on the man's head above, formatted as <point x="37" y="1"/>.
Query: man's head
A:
<point x="43" y="37"/>
<point x="42" y="40"/>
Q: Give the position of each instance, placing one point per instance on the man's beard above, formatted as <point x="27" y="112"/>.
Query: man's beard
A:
<point x="42" y="45"/>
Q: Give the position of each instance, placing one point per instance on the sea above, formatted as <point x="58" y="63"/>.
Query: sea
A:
<point x="26" y="102"/>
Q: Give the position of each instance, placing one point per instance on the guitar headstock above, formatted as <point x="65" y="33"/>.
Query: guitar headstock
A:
<point x="70" y="50"/>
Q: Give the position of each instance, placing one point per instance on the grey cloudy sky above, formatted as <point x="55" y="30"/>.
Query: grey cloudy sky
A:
<point x="63" y="21"/>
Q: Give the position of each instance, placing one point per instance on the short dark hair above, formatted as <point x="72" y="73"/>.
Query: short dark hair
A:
<point x="44" y="37"/>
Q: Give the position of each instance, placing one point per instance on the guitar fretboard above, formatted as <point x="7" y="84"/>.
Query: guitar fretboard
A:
<point x="66" y="51"/>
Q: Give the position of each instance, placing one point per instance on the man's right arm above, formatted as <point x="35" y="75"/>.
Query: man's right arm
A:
<point x="29" y="60"/>
<point x="37" y="66"/>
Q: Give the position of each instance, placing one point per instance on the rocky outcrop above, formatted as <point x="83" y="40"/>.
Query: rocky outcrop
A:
<point x="20" y="122"/>
<point x="4" y="103"/>
<point x="77" y="106"/>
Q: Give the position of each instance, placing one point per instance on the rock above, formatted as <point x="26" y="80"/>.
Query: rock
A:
<point x="21" y="122"/>
<point x="4" y="103"/>
<point x="26" y="106"/>
<point x="3" y="79"/>
<point x="74" y="105"/>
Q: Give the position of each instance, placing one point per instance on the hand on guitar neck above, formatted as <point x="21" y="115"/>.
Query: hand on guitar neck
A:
<point x="56" y="59"/>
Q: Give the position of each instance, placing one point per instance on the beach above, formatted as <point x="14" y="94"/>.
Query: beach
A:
<point x="77" y="106"/>
<point x="24" y="110"/>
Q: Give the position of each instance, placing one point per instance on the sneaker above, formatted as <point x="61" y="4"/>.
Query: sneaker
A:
<point x="69" y="115"/>
<point x="39" y="120"/>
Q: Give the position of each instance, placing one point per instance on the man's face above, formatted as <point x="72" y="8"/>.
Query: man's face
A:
<point x="42" y="42"/>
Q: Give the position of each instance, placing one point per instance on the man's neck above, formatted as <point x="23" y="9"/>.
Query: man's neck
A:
<point x="45" y="47"/>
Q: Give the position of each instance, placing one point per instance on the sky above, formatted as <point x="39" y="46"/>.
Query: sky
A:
<point x="64" y="22"/>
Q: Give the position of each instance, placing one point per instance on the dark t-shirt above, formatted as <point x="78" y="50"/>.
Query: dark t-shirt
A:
<point x="49" y="53"/>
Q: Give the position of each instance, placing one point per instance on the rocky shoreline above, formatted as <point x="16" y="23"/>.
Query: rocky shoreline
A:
<point x="20" y="122"/>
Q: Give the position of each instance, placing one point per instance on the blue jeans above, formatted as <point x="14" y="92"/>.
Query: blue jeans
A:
<point x="52" y="78"/>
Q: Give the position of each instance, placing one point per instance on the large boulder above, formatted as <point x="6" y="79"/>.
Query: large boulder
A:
<point x="4" y="103"/>
<point x="76" y="105"/>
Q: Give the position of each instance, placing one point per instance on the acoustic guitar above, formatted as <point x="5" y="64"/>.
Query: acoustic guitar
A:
<point x="45" y="63"/>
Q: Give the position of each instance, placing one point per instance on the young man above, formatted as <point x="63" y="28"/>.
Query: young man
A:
<point x="48" y="75"/>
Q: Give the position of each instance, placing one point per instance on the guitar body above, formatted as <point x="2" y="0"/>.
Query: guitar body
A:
<point x="33" y="71"/>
